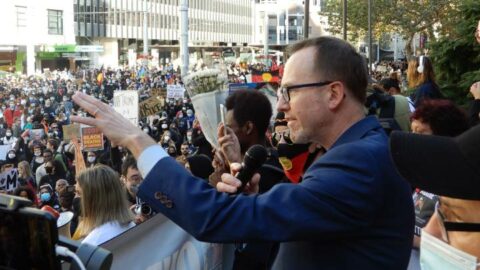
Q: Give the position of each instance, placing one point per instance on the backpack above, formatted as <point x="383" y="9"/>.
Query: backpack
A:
<point x="383" y="106"/>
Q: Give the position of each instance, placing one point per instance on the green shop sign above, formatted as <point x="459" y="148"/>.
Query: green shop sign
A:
<point x="67" y="48"/>
<point x="48" y="55"/>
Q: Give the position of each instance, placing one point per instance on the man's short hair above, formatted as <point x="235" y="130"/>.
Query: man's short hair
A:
<point x="250" y="105"/>
<point x="129" y="162"/>
<point x="336" y="60"/>
<point x="54" y="143"/>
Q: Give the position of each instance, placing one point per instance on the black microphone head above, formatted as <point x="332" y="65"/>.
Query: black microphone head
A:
<point x="255" y="156"/>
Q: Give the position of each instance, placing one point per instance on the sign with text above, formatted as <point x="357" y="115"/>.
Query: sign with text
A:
<point x="151" y="106"/>
<point x="92" y="139"/>
<point x="126" y="103"/>
<point x="71" y="132"/>
<point x="9" y="180"/>
<point x="175" y="91"/>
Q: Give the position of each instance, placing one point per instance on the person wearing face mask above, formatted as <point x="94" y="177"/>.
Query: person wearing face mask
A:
<point x="447" y="167"/>
<point x="190" y="118"/>
<point x="47" y="197"/>
<point x="10" y="113"/>
<point x="188" y="139"/>
<point x="166" y="140"/>
<point x="48" y="109"/>
<point x="91" y="159"/>
<point x="12" y="158"/>
<point x="9" y="139"/>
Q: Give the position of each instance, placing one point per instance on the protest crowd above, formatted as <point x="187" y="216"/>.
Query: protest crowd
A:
<point x="50" y="160"/>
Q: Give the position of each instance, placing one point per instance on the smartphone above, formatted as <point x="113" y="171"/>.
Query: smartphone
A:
<point x="28" y="237"/>
<point x="223" y="112"/>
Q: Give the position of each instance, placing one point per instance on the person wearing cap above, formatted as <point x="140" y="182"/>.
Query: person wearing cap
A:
<point x="449" y="168"/>
<point x="351" y="211"/>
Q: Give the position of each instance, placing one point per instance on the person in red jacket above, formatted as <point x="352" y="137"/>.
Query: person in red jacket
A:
<point x="11" y="113"/>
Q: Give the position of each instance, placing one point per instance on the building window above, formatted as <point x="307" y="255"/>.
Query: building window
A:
<point x="55" y="22"/>
<point x="21" y="16"/>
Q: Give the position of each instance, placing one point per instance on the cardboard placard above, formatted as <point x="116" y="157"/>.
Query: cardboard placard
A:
<point x="125" y="102"/>
<point x="71" y="132"/>
<point x="9" y="180"/>
<point x="175" y="91"/>
<point x="151" y="106"/>
<point x="155" y="92"/>
<point x="92" y="138"/>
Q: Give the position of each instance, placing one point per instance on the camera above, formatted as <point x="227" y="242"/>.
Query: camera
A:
<point x="144" y="209"/>
<point x="30" y="240"/>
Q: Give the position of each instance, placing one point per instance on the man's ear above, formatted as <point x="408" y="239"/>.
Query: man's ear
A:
<point x="248" y="127"/>
<point x="337" y="94"/>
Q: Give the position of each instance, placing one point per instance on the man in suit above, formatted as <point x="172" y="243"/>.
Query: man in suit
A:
<point x="351" y="211"/>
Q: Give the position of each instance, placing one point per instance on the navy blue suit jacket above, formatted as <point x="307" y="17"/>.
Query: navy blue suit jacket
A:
<point x="352" y="210"/>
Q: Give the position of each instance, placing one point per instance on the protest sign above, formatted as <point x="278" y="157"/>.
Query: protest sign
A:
<point x="92" y="138"/>
<point x="71" y="132"/>
<point x="151" y="106"/>
<point x="155" y="92"/>
<point x="9" y="180"/>
<point x="175" y="91"/>
<point x="36" y="134"/>
<point x="126" y="103"/>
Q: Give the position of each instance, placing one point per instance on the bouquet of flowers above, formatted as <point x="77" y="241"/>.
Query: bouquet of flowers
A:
<point x="207" y="90"/>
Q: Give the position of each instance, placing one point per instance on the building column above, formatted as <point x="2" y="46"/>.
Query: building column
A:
<point x="30" y="59"/>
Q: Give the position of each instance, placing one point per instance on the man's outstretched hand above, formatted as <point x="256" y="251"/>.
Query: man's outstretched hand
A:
<point x="118" y="129"/>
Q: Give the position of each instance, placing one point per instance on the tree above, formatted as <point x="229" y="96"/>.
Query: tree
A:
<point x="406" y="17"/>
<point x="456" y="56"/>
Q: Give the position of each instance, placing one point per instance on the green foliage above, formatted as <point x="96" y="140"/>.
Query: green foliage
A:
<point x="406" y="17"/>
<point x="456" y="57"/>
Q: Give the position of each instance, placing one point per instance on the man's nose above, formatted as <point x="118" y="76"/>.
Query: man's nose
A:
<point x="282" y="105"/>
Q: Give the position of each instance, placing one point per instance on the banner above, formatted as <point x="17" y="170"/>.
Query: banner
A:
<point x="155" y="92"/>
<point x="92" y="138"/>
<point x="9" y="180"/>
<point x="158" y="243"/>
<point x="175" y="91"/>
<point x="126" y="103"/>
<point x="151" y="106"/>
<point x="71" y="132"/>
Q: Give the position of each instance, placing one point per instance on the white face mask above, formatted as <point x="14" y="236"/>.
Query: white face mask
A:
<point x="91" y="159"/>
<point x="11" y="155"/>
<point x="436" y="254"/>
<point x="8" y="134"/>
<point x="164" y="126"/>
<point x="166" y="138"/>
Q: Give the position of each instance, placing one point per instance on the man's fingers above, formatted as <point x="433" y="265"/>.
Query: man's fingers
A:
<point x="84" y="120"/>
<point x="222" y="187"/>
<point x="228" y="179"/>
<point x="85" y="101"/>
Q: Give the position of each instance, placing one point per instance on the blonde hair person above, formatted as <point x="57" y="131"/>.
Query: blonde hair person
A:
<point x="104" y="208"/>
<point x="25" y="174"/>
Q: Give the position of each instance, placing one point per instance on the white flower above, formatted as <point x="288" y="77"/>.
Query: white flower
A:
<point x="205" y="81"/>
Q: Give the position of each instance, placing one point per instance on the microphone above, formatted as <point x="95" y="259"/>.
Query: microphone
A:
<point x="253" y="160"/>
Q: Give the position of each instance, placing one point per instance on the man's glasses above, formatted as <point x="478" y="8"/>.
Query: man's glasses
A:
<point x="285" y="90"/>
<point x="447" y="226"/>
